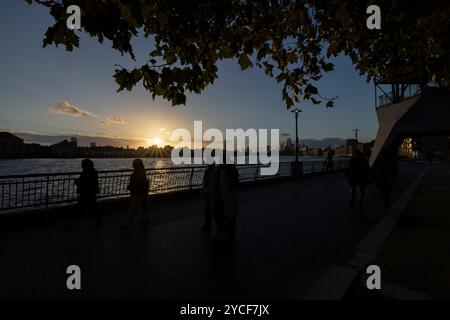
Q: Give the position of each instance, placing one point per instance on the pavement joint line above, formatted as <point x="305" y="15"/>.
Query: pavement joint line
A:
<point x="337" y="280"/>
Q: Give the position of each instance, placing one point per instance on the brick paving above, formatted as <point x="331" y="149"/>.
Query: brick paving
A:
<point x="289" y="233"/>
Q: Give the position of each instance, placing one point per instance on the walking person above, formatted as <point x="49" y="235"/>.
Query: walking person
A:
<point x="87" y="190"/>
<point x="329" y="162"/>
<point x="139" y="188"/>
<point x="385" y="171"/>
<point x="224" y="201"/>
<point x="206" y="190"/>
<point x="358" y="175"/>
<point x="230" y="182"/>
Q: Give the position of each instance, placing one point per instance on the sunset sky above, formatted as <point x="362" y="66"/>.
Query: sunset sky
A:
<point x="53" y="92"/>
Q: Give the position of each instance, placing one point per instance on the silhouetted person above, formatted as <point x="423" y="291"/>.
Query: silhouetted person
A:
<point x="139" y="187"/>
<point x="329" y="162"/>
<point x="224" y="200"/>
<point x="87" y="189"/>
<point x="358" y="175"/>
<point x="206" y="190"/>
<point x="385" y="171"/>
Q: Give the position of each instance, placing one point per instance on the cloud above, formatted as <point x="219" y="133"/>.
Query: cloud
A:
<point x="65" y="108"/>
<point x="113" y="121"/>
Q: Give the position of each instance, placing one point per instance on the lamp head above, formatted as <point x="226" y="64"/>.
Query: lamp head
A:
<point x="296" y="111"/>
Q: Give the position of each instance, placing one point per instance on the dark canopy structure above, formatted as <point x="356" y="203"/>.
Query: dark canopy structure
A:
<point x="424" y="113"/>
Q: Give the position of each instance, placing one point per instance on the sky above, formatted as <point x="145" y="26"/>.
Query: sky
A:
<point x="53" y="92"/>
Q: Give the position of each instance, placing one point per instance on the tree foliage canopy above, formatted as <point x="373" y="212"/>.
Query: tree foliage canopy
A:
<point x="291" y="41"/>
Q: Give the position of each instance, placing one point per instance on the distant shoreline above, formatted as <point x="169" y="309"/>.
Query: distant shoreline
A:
<point x="131" y="157"/>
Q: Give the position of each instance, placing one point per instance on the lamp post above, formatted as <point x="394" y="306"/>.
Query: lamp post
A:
<point x="296" y="112"/>
<point x="356" y="134"/>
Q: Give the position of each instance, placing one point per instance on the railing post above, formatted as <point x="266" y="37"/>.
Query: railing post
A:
<point x="191" y="178"/>
<point x="297" y="168"/>
<point x="46" y="192"/>
<point x="256" y="172"/>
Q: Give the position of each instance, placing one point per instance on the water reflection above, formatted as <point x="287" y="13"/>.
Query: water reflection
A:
<point x="31" y="166"/>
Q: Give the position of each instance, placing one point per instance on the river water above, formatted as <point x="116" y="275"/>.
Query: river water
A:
<point x="33" y="166"/>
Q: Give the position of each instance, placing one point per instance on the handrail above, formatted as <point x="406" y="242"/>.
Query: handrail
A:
<point x="46" y="190"/>
<point x="412" y="90"/>
<point x="52" y="174"/>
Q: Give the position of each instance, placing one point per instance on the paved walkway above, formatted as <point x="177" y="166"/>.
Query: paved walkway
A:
<point x="414" y="259"/>
<point x="289" y="233"/>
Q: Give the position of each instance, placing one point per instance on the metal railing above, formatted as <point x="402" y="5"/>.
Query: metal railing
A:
<point x="411" y="90"/>
<point x="47" y="190"/>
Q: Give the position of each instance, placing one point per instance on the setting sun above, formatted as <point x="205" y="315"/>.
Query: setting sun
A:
<point x="156" y="141"/>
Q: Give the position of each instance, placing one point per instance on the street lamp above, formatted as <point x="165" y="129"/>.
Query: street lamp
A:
<point x="296" y="111"/>
<point x="355" y="144"/>
<point x="356" y="134"/>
